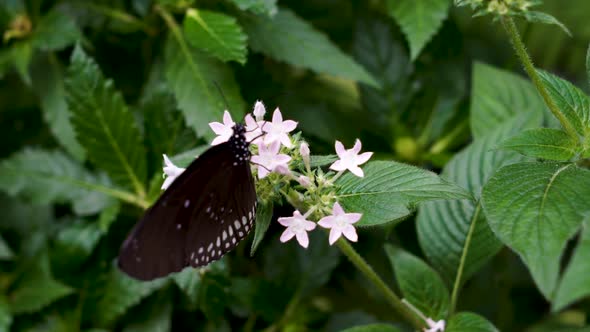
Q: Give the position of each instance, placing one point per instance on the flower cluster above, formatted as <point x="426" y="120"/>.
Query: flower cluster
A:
<point x="282" y="164"/>
<point x="498" y="7"/>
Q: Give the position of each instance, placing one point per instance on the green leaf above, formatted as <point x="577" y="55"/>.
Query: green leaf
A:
<point x="378" y="49"/>
<point x="540" y="17"/>
<point x="263" y="218"/>
<point x="497" y="96"/>
<point x="419" y="20"/>
<point x="216" y="34"/>
<point x="319" y="161"/>
<point x="263" y="7"/>
<point x="419" y="283"/>
<point x="36" y="289"/>
<point x="469" y="322"/>
<point x="287" y="37"/>
<point x="390" y="191"/>
<point x="22" y="53"/>
<point x="571" y="101"/>
<point x="189" y="282"/>
<point x="575" y="283"/>
<point x="155" y="315"/>
<point x="543" y="143"/>
<point x="45" y="177"/>
<point x="104" y="125"/>
<point x="5" y="251"/>
<point x="373" y="328"/>
<point x="443" y="227"/>
<point x="588" y="65"/>
<point x="195" y="78"/>
<point x="49" y="86"/>
<point x="115" y="294"/>
<point x="55" y="31"/>
<point x="535" y="208"/>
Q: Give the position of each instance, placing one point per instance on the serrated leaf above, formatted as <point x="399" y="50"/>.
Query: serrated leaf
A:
<point x="543" y="143"/>
<point x="443" y="227"/>
<point x="419" y="283"/>
<point x="497" y="96"/>
<point x="390" y="191"/>
<point x="55" y="31"/>
<point x="5" y="251"/>
<point x="49" y="86"/>
<point x="571" y="101"/>
<point x="381" y="53"/>
<point x="535" y="208"/>
<point x="36" y="289"/>
<point x="74" y="243"/>
<point x="216" y="34"/>
<point x="103" y="124"/>
<point x="264" y="7"/>
<point x="540" y="17"/>
<point x="287" y="37"/>
<point x="373" y="328"/>
<point x="115" y="294"/>
<point x="469" y="322"/>
<point x="155" y="316"/>
<point x="319" y="161"/>
<point x="195" y="78"/>
<point x="419" y="20"/>
<point x="46" y="177"/>
<point x="263" y="217"/>
<point x="575" y="283"/>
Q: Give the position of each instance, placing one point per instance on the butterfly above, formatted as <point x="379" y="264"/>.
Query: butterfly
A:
<point x="204" y="214"/>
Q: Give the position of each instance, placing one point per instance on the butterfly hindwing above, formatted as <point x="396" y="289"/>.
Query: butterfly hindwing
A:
<point x="186" y="225"/>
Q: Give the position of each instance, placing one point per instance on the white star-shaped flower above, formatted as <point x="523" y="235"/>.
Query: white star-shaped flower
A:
<point x="433" y="326"/>
<point x="340" y="223"/>
<point x="254" y="130"/>
<point x="171" y="172"/>
<point x="297" y="226"/>
<point x="269" y="160"/>
<point x="278" y="130"/>
<point x="350" y="159"/>
<point x="223" y="130"/>
<point x="259" y="110"/>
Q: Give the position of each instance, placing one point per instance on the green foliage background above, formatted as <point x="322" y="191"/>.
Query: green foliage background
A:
<point x="92" y="93"/>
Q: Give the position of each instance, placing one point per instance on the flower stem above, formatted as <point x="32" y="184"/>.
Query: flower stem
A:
<point x="526" y="61"/>
<point x="390" y="296"/>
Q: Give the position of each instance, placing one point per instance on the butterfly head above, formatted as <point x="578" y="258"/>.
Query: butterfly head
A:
<point x="239" y="145"/>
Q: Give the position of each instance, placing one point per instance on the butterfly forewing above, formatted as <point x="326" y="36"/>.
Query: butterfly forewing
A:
<point x="204" y="214"/>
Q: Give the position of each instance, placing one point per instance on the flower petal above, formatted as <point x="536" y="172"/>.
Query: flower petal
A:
<point x="287" y="235"/>
<point x="357" y="171"/>
<point x="338" y="165"/>
<point x="340" y="149"/>
<point x="327" y="222"/>
<point x="363" y="157"/>
<point x="335" y="234"/>
<point x="286" y="221"/>
<point x="357" y="146"/>
<point x="262" y="172"/>
<point x="351" y="218"/>
<point x="227" y="120"/>
<point x="277" y="116"/>
<point x="167" y="182"/>
<point x="289" y="125"/>
<point x="217" y="127"/>
<point x="337" y="209"/>
<point x="350" y="232"/>
<point x="219" y="139"/>
<point x="302" y="239"/>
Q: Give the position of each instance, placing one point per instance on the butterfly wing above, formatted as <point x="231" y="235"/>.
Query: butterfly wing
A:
<point x="189" y="220"/>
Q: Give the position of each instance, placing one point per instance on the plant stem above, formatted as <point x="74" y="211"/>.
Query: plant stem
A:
<point x="526" y="61"/>
<point x="461" y="267"/>
<point x="442" y="144"/>
<point x="390" y="296"/>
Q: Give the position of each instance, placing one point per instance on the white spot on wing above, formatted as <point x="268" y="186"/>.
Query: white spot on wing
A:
<point x="187" y="203"/>
<point x="224" y="236"/>
<point x="237" y="224"/>
<point x="201" y="249"/>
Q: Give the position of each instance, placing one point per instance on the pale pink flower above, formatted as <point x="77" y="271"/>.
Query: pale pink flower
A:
<point x="304" y="151"/>
<point x="278" y="130"/>
<point x="297" y="226"/>
<point x="254" y="130"/>
<point x="304" y="181"/>
<point x="223" y="130"/>
<point x="269" y="160"/>
<point x="171" y="172"/>
<point x="340" y="223"/>
<point x="433" y="326"/>
<point x="350" y="159"/>
<point x="259" y="110"/>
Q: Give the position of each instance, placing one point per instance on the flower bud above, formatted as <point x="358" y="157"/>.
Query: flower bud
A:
<point x="259" y="110"/>
<point x="304" y="151"/>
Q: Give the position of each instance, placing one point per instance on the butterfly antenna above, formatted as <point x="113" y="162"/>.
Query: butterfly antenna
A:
<point x="222" y="95"/>
<point x="257" y="164"/>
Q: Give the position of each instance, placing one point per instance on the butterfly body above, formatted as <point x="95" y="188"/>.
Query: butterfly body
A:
<point x="204" y="214"/>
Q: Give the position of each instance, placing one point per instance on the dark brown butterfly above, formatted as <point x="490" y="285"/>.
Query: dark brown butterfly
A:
<point x="204" y="214"/>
